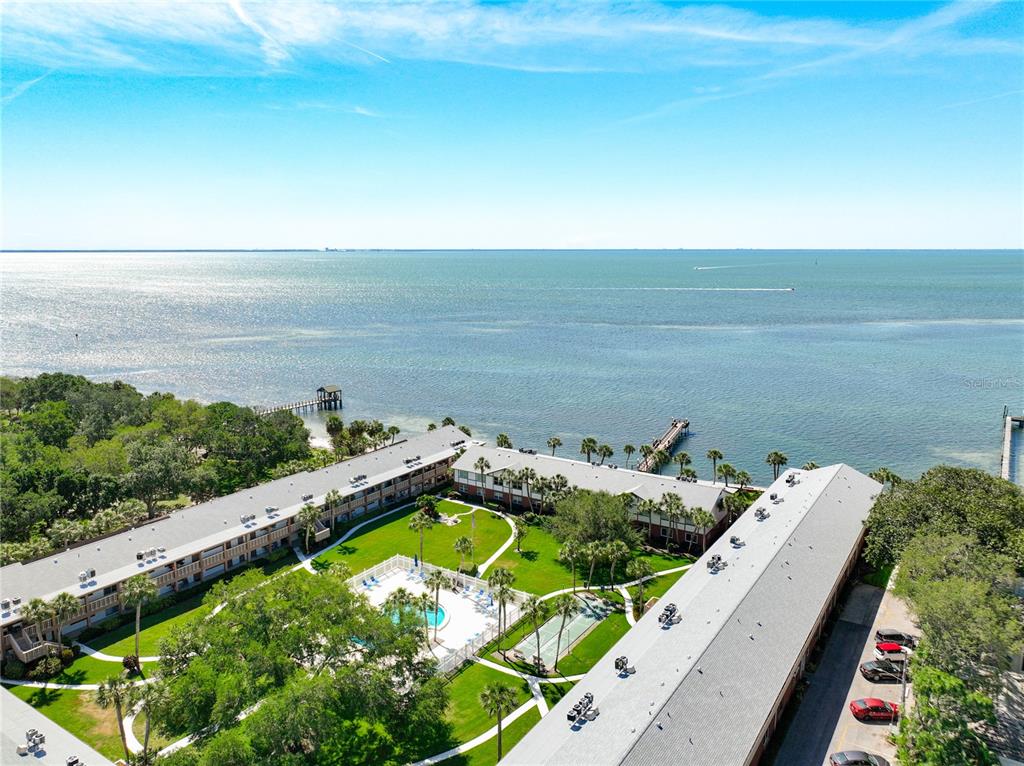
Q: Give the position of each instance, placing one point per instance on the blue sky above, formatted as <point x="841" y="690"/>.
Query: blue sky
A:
<point x="458" y="124"/>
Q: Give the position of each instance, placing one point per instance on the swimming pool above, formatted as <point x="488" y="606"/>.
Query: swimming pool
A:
<point x="434" y="619"/>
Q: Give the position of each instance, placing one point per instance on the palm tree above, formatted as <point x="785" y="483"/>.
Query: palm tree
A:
<point x="397" y="601"/>
<point x="661" y="458"/>
<point x="393" y="432"/>
<point x="776" y="460"/>
<point x="593" y="552"/>
<point x="522" y="529"/>
<point x="331" y="501"/>
<point x="810" y="465"/>
<point x="565" y="606"/>
<point x="148" y="698"/>
<point x="420" y="522"/>
<point x="649" y="507"/>
<point x="449" y="421"/>
<point x="63" y="606"/>
<point x="115" y="692"/>
<point x="683" y="460"/>
<point x="510" y="476"/>
<point x="498" y="700"/>
<point x="435" y="581"/>
<point x="528" y="476"/>
<point x="423" y="602"/>
<point x="742" y="478"/>
<point x="638" y="569"/>
<point x="137" y="590"/>
<point x="604" y="452"/>
<point x="646" y="450"/>
<point x="702" y="520"/>
<point x="463" y="545"/>
<point x="431" y="426"/>
<point x="615" y="552"/>
<point x="35" y="613"/>
<point x="309" y="515"/>
<point x="628" y="451"/>
<point x="688" y="473"/>
<point x="884" y="475"/>
<point x="427" y="504"/>
<point x="714" y="456"/>
<point x="570" y="553"/>
<point x="554" y="443"/>
<point x="588" y="447"/>
<point x="672" y="507"/>
<point x="503" y="441"/>
<point x="482" y="466"/>
<point x="726" y="471"/>
<point x="500" y="582"/>
<point x="536" y="611"/>
<point x="543" y="486"/>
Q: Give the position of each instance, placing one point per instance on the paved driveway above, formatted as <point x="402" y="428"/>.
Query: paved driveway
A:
<point x="823" y="723"/>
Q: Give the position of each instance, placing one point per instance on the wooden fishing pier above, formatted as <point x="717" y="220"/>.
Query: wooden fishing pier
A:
<point x="1009" y="421"/>
<point x="326" y="398"/>
<point x="678" y="428"/>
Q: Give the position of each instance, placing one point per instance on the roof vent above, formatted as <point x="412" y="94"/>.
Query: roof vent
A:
<point x="736" y="542"/>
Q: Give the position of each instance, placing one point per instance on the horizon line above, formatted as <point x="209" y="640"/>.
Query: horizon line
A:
<point x="498" y="249"/>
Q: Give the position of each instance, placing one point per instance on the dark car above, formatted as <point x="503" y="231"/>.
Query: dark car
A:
<point x="883" y="670"/>
<point x="892" y="636"/>
<point x="856" y="758"/>
<point x="874" y="709"/>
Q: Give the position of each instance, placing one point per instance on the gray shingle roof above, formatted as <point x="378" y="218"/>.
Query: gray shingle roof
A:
<point x="207" y="524"/>
<point x="705" y="687"/>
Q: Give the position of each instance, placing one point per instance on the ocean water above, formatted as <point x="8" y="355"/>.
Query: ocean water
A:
<point x="904" y="359"/>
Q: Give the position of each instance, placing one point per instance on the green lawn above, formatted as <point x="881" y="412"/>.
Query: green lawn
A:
<point x="86" y="670"/>
<point x="653" y="589"/>
<point x="538" y="570"/>
<point x="486" y="754"/>
<point x="391" y="535"/>
<point x="156" y="626"/>
<point x="157" y="741"/>
<point x="879" y="577"/>
<point x="465" y="717"/>
<point x="79" y="714"/>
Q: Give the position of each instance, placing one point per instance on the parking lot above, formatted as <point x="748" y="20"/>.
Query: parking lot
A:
<point x="823" y="723"/>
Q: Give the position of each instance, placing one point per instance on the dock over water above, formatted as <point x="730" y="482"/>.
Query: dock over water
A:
<point x="678" y="428"/>
<point x="1006" y="457"/>
<point x="326" y="398"/>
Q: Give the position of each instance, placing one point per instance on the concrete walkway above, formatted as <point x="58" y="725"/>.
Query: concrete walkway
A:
<point x="489" y="734"/>
<point x="98" y="655"/>
<point x="71" y="687"/>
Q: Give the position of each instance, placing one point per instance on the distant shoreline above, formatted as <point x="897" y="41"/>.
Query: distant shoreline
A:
<point x="533" y="250"/>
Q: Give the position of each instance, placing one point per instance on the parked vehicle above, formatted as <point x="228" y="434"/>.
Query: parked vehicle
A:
<point x="856" y="758"/>
<point x="874" y="709"/>
<point x="891" y="652"/>
<point x="893" y="636"/>
<point x="878" y="671"/>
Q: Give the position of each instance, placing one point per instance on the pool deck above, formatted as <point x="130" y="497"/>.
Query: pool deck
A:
<point x="465" y="617"/>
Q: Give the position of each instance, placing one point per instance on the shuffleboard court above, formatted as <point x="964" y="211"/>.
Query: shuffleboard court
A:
<point x="592" y="611"/>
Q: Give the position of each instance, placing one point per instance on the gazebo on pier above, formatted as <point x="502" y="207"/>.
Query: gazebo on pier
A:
<point x="328" y="398"/>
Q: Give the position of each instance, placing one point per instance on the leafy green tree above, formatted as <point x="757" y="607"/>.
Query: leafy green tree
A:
<point x="427" y="504"/>
<point x="420" y="523"/>
<point x="639" y="570"/>
<point x="673" y="509"/>
<point x="230" y="747"/>
<point x="503" y="441"/>
<point x="554" y="443"/>
<point x="604" y="452"/>
<point x="34" y="614"/>
<point x="948" y="500"/>
<point x="147" y="699"/>
<point x="703" y="520"/>
<point x="448" y="422"/>
<point x="714" y="455"/>
<point x="615" y="551"/>
<point x="810" y="465"/>
<point x="571" y="553"/>
<point x="358" y="743"/>
<point x="115" y="692"/>
<point x="647" y="507"/>
<point x="522" y="529"/>
<point x="136" y="591"/>
<point x="595" y="552"/>
<point x="158" y="470"/>
<point x="498" y="700"/>
<point x="940" y="728"/>
<point x="51" y="423"/>
<point x="594" y="517"/>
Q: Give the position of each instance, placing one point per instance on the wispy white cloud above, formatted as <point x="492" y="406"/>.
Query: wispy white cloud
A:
<point x="22" y="87"/>
<point x="983" y="99"/>
<point x="532" y="36"/>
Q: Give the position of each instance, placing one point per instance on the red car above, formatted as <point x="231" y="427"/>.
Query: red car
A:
<point x="891" y="652"/>
<point x="874" y="709"/>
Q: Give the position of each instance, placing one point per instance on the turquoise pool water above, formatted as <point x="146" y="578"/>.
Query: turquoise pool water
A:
<point x="433" y="618"/>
